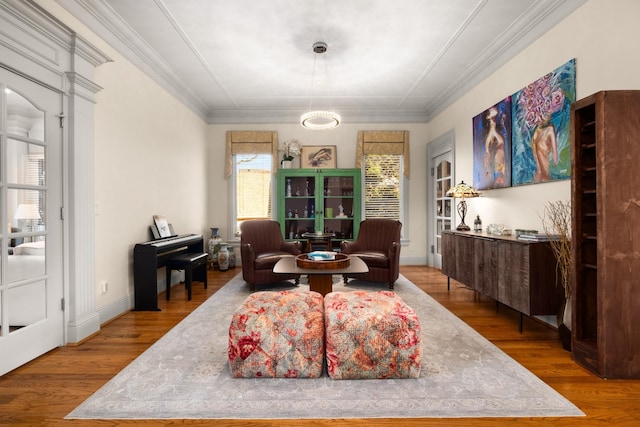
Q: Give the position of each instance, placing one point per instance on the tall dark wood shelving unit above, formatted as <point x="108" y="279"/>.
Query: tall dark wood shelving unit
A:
<point x="605" y="195"/>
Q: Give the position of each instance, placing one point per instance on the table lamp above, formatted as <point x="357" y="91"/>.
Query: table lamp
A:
<point x="462" y="191"/>
<point x="29" y="213"/>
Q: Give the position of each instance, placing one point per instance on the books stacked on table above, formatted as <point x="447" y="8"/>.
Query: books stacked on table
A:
<point x="539" y="237"/>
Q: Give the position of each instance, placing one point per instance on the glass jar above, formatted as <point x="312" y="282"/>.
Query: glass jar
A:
<point x="477" y="224"/>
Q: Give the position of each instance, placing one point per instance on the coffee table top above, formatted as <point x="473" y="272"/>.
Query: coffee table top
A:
<point x="287" y="265"/>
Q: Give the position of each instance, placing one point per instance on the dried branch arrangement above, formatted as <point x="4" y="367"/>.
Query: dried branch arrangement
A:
<point x="557" y="222"/>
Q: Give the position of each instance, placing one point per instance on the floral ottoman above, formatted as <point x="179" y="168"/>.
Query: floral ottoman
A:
<point x="371" y="335"/>
<point x="278" y="334"/>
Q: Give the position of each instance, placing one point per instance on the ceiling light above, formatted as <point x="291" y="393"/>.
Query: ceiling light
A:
<point x="319" y="119"/>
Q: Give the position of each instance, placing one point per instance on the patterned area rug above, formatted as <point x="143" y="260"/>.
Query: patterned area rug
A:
<point x="186" y="375"/>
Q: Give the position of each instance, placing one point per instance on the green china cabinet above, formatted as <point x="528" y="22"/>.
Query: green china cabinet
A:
<point x="319" y="200"/>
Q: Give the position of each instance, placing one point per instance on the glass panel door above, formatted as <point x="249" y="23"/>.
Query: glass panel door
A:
<point x="299" y="205"/>
<point x="31" y="287"/>
<point x="443" y="181"/>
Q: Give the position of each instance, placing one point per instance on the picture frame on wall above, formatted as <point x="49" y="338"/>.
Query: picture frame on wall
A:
<point x="541" y="132"/>
<point x="318" y="157"/>
<point x="492" y="147"/>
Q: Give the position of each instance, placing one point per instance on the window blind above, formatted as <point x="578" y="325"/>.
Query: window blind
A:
<point x="382" y="186"/>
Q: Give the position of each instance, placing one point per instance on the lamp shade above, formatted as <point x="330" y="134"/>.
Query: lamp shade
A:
<point x="462" y="190"/>
<point x="27" y="211"/>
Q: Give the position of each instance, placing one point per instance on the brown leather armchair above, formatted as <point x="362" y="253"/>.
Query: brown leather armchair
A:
<point x="261" y="247"/>
<point x="378" y="245"/>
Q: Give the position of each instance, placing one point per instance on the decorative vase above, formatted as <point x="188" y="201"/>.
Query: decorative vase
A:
<point x="213" y="247"/>
<point x="223" y="257"/>
<point x="232" y="257"/>
<point x="286" y="164"/>
<point x="564" y="324"/>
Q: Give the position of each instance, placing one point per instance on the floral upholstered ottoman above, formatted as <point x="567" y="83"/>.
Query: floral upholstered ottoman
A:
<point x="371" y="335"/>
<point x="278" y="334"/>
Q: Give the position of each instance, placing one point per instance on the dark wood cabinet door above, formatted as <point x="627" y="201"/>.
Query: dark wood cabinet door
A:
<point x="486" y="267"/>
<point x="513" y="276"/>
<point x="464" y="260"/>
<point x="449" y="254"/>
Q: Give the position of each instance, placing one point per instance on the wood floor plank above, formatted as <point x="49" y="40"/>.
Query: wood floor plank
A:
<point x="44" y="391"/>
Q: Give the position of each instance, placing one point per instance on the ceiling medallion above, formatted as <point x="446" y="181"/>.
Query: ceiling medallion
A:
<point x="319" y="119"/>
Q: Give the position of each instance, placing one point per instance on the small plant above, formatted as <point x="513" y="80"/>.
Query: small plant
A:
<point x="556" y="221"/>
<point x="291" y="148"/>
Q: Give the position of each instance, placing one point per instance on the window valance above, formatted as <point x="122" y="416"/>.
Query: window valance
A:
<point x="383" y="142"/>
<point x="250" y="142"/>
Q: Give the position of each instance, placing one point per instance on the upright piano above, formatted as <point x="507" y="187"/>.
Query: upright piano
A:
<point x="148" y="257"/>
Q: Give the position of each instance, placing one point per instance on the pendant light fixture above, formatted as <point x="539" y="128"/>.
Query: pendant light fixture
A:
<point x="319" y="119"/>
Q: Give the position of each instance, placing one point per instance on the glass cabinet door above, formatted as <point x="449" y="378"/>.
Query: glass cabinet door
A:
<point x="300" y="210"/>
<point x="338" y="198"/>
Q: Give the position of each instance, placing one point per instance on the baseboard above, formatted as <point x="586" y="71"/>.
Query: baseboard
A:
<point x="115" y="309"/>
<point x="83" y="328"/>
<point x="413" y="260"/>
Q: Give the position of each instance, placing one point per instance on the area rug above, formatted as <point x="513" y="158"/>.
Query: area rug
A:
<point x="185" y="375"/>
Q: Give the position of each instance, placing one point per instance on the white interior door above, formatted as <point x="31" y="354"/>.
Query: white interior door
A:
<point x="443" y="216"/>
<point x="440" y="155"/>
<point x="31" y="284"/>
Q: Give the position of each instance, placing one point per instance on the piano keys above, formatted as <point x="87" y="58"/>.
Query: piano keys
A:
<point x="148" y="257"/>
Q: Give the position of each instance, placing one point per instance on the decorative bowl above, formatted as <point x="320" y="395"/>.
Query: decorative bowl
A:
<point x="341" y="261"/>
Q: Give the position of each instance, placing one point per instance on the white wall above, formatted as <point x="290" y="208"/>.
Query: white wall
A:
<point x="604" y="38"/>
<point x="149" y="159"/>
<point x="345" y="138"/>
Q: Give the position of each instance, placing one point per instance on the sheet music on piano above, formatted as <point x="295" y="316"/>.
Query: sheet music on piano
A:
<point x="162" y="225"/>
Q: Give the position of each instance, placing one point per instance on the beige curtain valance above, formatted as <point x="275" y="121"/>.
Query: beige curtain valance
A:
<point x="250" y="142"/>
<point x="383" y="142"/>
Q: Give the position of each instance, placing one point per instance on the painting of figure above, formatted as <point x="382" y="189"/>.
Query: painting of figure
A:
<point x="318" y="157"/>
<point x="492" y="147"/>
<point x="541" y="149"/>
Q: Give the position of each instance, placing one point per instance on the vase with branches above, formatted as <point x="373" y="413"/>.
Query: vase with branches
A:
<point x="556" y="222"/>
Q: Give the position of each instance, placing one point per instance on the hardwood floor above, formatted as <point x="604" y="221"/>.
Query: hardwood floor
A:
<point x="44" y="391"/>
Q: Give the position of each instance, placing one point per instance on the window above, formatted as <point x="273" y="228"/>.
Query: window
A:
<point x="252" y="188"/>
<point x="383" y="186"/>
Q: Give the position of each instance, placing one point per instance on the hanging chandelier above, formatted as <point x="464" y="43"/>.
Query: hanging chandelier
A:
<point x="319" y="119"/>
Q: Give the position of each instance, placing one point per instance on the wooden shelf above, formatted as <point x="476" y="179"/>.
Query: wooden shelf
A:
<point x="605" y="132"/>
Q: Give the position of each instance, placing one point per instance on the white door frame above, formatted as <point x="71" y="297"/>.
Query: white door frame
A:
<point x="41" y="48"/>
<point x="438" y="147"/>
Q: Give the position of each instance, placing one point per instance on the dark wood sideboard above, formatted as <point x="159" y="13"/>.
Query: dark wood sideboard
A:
<point x="517" y="273"/>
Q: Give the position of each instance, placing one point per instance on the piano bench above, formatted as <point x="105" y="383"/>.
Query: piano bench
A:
<point x="187" y="262"/>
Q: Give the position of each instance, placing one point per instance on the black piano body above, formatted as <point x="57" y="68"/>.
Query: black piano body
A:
<point x="148" y="257"/>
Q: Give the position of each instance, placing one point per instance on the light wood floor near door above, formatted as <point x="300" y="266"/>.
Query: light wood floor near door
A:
<point x="45" y="390"/>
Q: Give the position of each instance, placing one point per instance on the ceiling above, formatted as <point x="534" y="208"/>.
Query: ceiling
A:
<point x="247" y="61"/>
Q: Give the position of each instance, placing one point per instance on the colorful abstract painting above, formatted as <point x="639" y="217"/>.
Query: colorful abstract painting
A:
<point x="541" y="137"/>
<point x="492" y="147"/>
